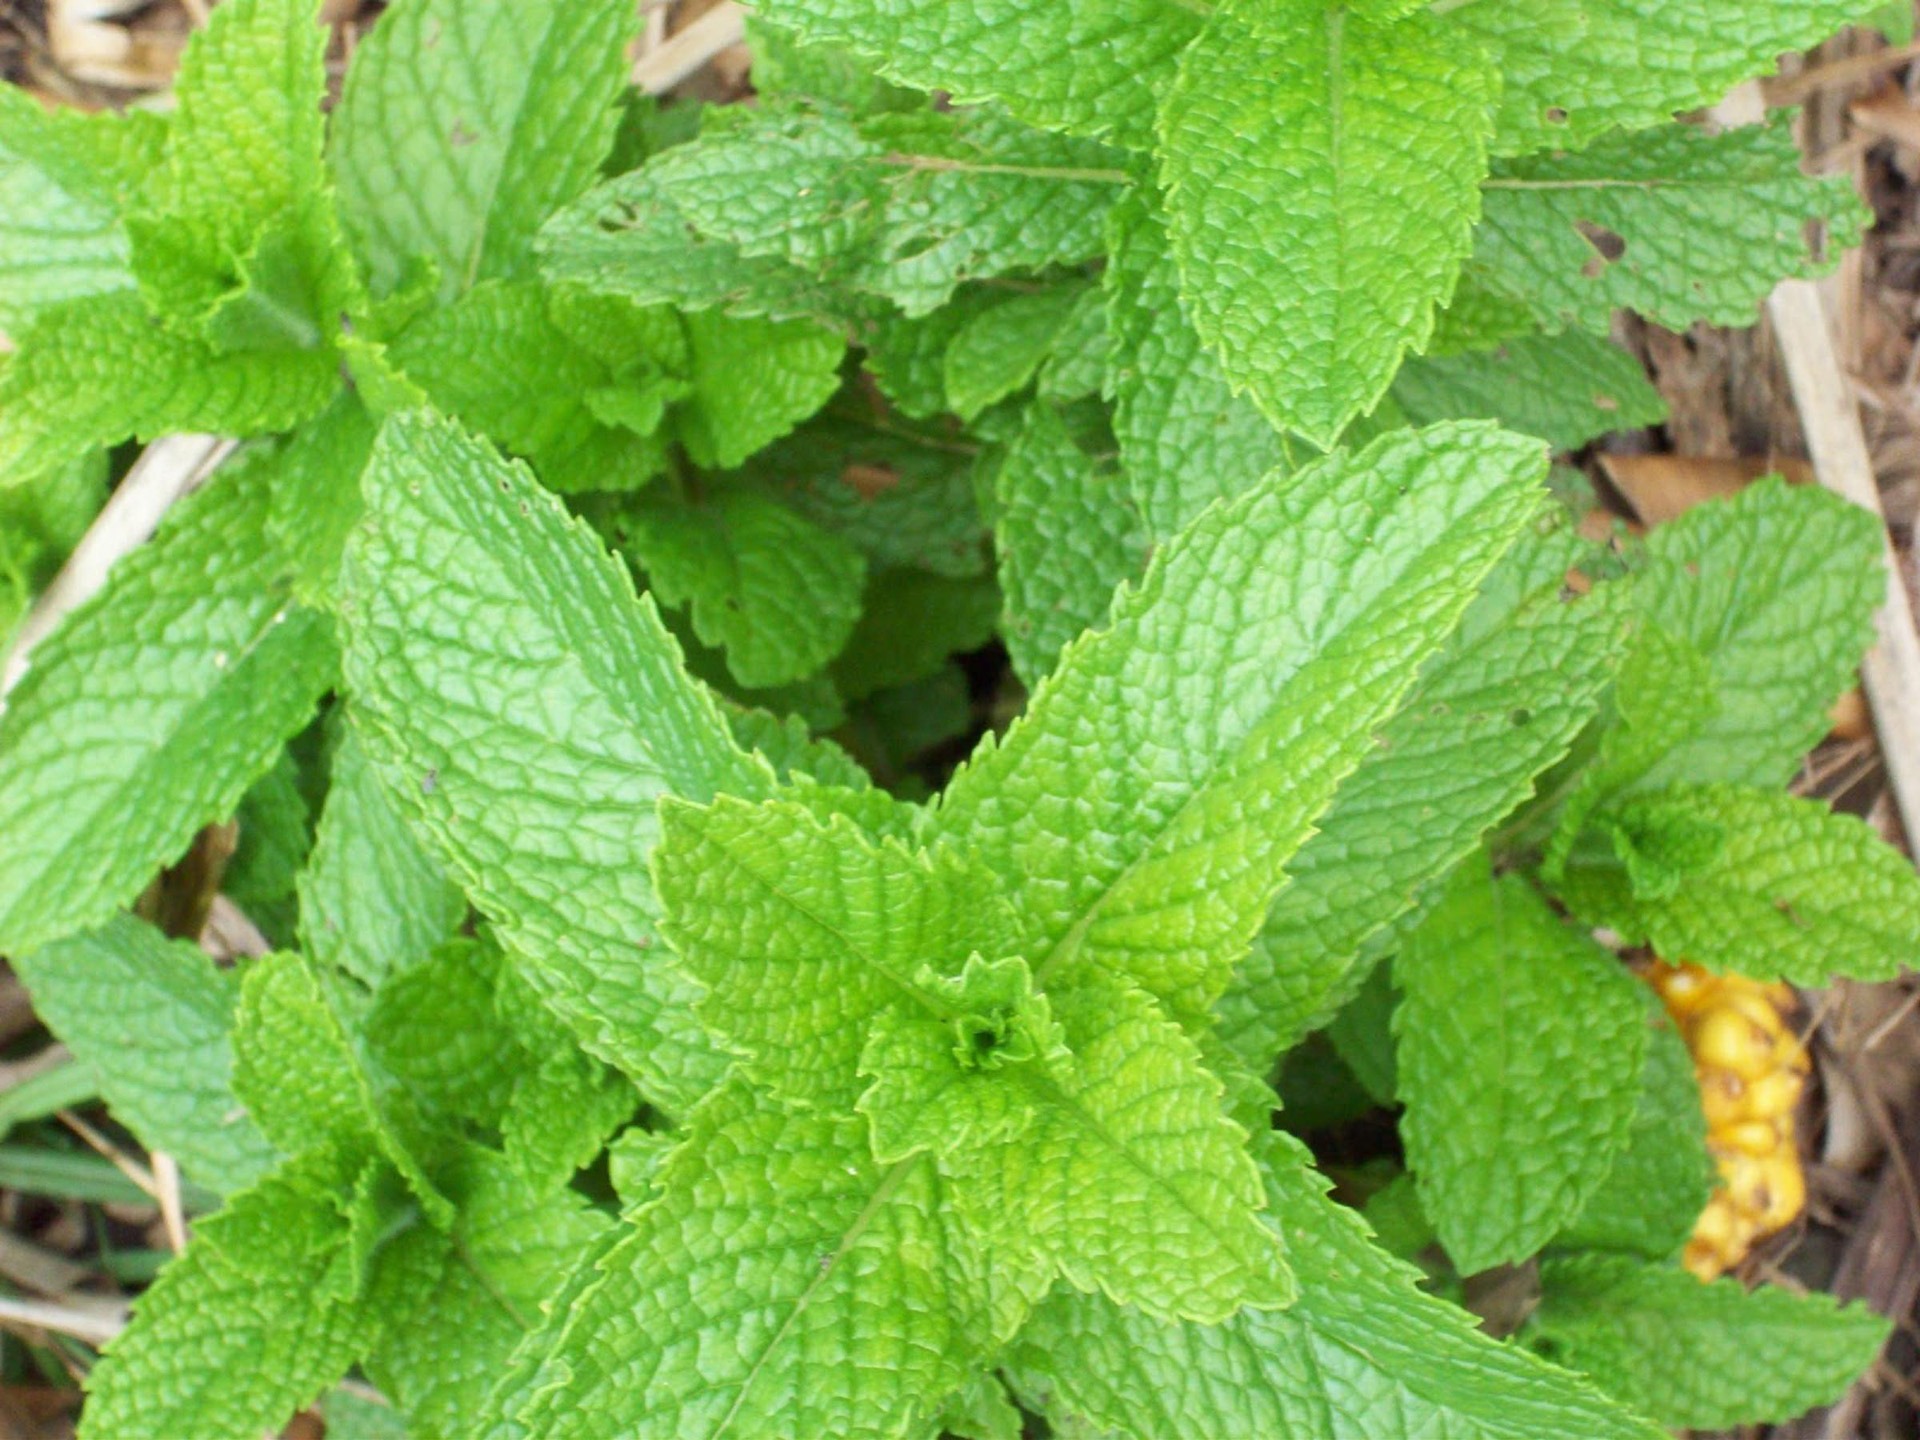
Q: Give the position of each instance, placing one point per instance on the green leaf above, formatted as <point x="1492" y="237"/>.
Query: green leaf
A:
<point x="999" y="350"/>
<point x="63" y="179"/>
<point x="1185" y="438"/>
<point x="980" y="1410"/>
<point x="1323" y="167"/>
<point x="1272" y="637"/>
<point x="1566" y="389"/>
<point x="1132" y="1180"/>
<point x="1092" y="69"/>
<point x="1676" y="223"/>
<point x="1520" y="1047"/>
<point x="1503" y="702"/>
<point x="468" y="693"/>
<point x="1576" y="69"/>
<point x="316" y="495"/>
<point x="252" y="1322"/>
<point x="445" y="1342"/>
<point x="276" y="832"/>
<point x="1659" y="1183"/>
<point x="500" y="362"/>
<point x="1363" y="1352"/>
<point x="152" y="1019"/>
<point x="1067" y="535"/>
<point x="779" y="1281"/>
<point x="235" y="230"/>
<point x="1776" y="588"/>
<point x="849" y="922"/>
<point x="98" y="371"/>
<point x="372" y="898"/>
<point x="753" y="381"/>
<point x="912" y="622"/>
<point x="1749" y="1355"/>
<point x="1790" y="890"/>
<point x="779" y="594"/>
<point x="507" y="107"/>
<point x="301" y="1073"/>
<point x="149" y="712"/>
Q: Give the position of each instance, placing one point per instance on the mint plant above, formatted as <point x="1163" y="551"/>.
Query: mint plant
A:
<point x="659" y="1035"/>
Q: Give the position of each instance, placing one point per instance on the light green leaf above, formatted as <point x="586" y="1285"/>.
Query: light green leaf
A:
<point x="1095" y="69"/>
<point x="980" y="1410"/>
<point x="1774" y="887"/>
<point x="1777" y="588"/>
<point x="235" y="230"/>
<point x="1566" y="389"/>
<point x="1576" y="69"/>
<point x="1520" y="1047"/>
<point x="999" y="350"/>
<point x="1185" y="438"/>
<point x="753" y="381"/>
<point x="1659" y="1183"/>
<point x="251" y="1323"/>
<point x="1266" y="644"/>
<point x="444" y="1343"/>
<point x="528" y="719"/>
<point x="507" y="108"/>
<point x="1677" y="223"/>
<point x="1132" y="1180"/>
<point x="1067" y="535"/>
<point x="1362" y="1354"/>
<point x="1503" y="702"/>
<point x="149" y="712"/>
<point x="775" y="591"/>
<point x="372" y="899"/>
<point x="799" y="931"/>
<point x="98" y="371"/>
<point x="498" y="361"/>
<point x="780" y="1281"/>
<point x="1324" y="168"/>
<point x="63" y="178"/>
<point x="152" y="1019"/>
<point x="1749" y="1356"/>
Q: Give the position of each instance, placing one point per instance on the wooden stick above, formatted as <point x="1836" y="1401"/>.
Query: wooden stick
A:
<point x="95" y="1325"/>
<point x="683" y="54"/>
<point x="1831" y="420"/>
<point x="165" y="471"/>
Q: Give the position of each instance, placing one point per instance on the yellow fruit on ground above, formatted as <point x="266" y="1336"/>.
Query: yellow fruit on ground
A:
<point x="1726" y="1038"/>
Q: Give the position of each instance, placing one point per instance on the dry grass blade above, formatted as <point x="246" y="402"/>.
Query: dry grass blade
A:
<point x="692" y="49"/>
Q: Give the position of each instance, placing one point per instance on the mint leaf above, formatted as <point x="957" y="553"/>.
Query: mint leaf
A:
<point x="1092" y="69"/>
<point x="500" y="360"/>
<point x="149" y="712"/>
<point x="1659" y="1183"/>
<point x="1067" y="535"/>
<point x="1185" y="438"/>
<point x="1566" y="389"/>
<point x="94" y="372"/>
<point x="152" y="1019"/>
<point x="252" y="1322"/>
<point x="1576" y="69"/>
<point x="1236" y="641"/>
<point x="1501" y="703"/>
<point x="799" y="931"/>
<point x="779" y="1280"/>
<point x="1000" y="349"/>
<point x="508" y="108"/>
<point x="1325" y="167"/>
<point x="63" y="178"/>
<point x="1363" y="1348"/>
<point x="372" y="898"/>
<point x="753" y="381"/>
<point x="235" y="230"/>
<point x="1520" y="1047"/>
<point x="445" y="1342"/>
<point x="1647" y="222"/>
<point x="775" y="591"/>
<point x="1791" y="890"/>
<point x="980" y="1410"/>
<point x="465" y="692"/>
<point x="1776" y="588"/>
<point x="1752" y="1355"/>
